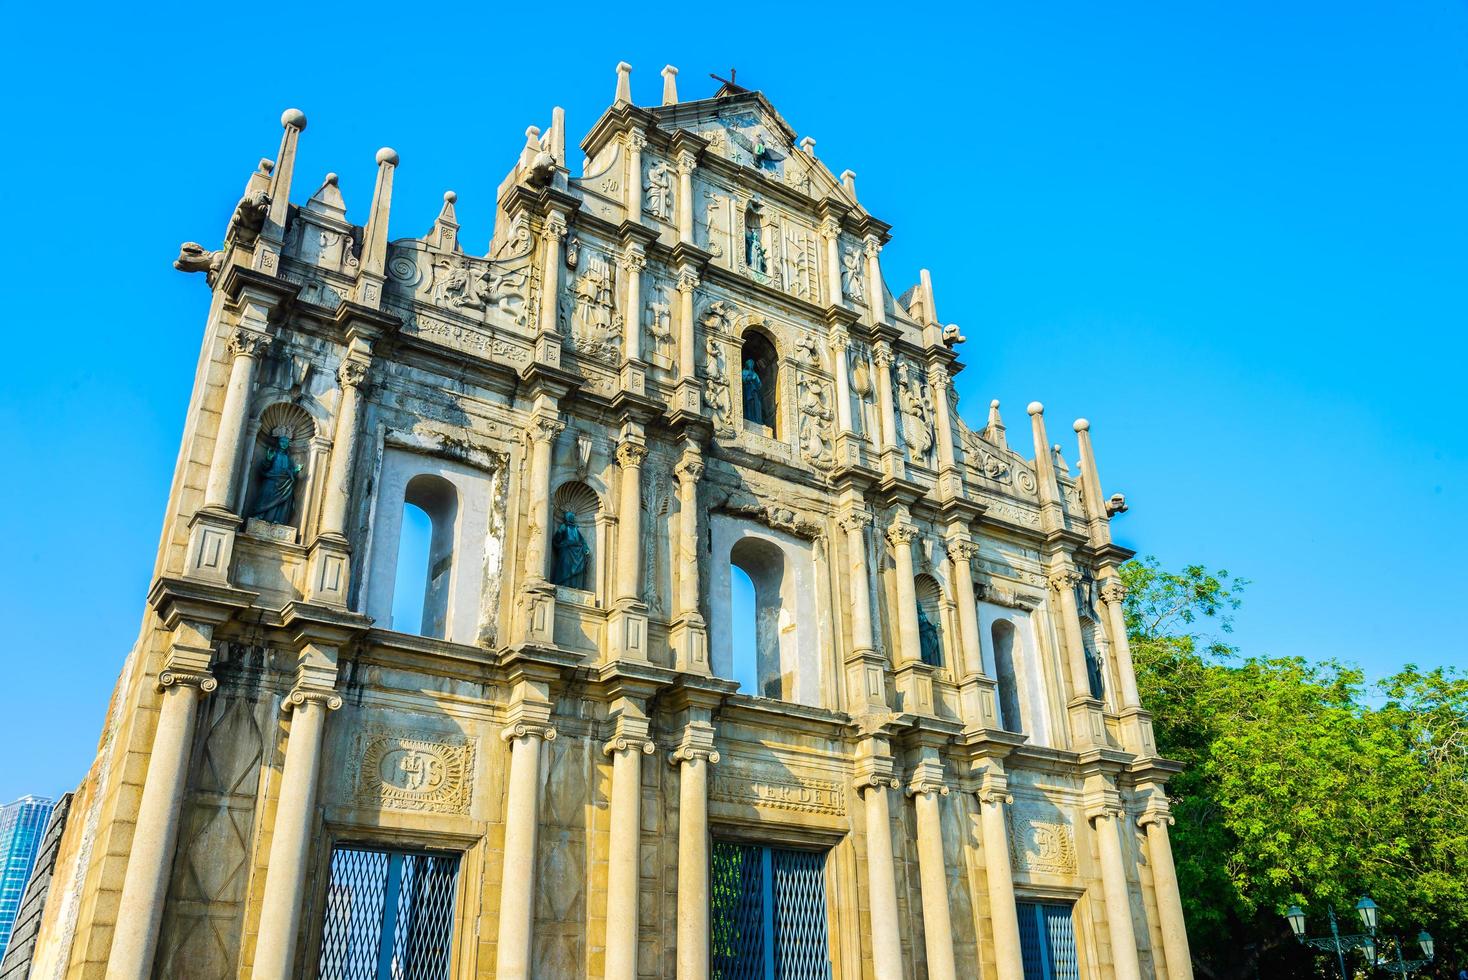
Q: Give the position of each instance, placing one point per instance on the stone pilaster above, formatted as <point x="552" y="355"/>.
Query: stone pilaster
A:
<point x="950" y="475"/>
<point x="914" y="678"/>
<point x="927" y="788"/>
<point x="329" y="570"/>
<point x="866" y="670"/>
<point x="690" y="398"/>
<point x="529" y="726"/>
<point x="540" y="595"/>
<point x="1108" y="818"/>
<point x="686" y="162"/>
<point x="892" y="463"/>
<point x="636" y="141"/>
<point x="627" y="621"/>
<point x="1087" y="725"/>
<point x="976" y="689"/>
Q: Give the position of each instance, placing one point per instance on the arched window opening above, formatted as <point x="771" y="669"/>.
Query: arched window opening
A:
<point x="1003" y="635"/>
<point x="425" y="560"/>
<point x="743" y="631"/>
<point x="774" y="625"/>
<point x="575" y="509"/>
<point x="930" y="619"/>
<point x="759" y="376"/>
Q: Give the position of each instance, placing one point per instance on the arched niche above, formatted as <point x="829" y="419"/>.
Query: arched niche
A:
<point x="759" y="380"/>
<point x="930" y="608"/>
<point x="283" y="431"/>
<point x="584" y="506"/>
<point x="1030" y="702"/>
<point x="1005" y="644"/>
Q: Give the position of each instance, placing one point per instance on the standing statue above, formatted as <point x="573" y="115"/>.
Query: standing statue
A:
<point x="754" y="404"/>
<point x="569" y="552"/>
<point x="1093" y="674"/>
<point x="278" y="473"/>
<point x="929" y="646"/>
<point x="658" y="190"/>
<point x="754" y="247"/>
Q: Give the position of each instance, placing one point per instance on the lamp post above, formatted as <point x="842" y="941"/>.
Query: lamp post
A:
<point x="1366" y="942"/>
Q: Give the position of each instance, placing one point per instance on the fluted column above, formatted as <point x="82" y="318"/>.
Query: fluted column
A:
<point x="245" y="347"/>
<point x="927" y="789"/>
<point x="635" y="142"/>
<point x="351" y="376"/>
<point x="633" y="262"/>
<point x="545" y="427"/>
<point x="840" y="340"/>
<point x="873" y="781"/>
<point x="183" y="681"/>
<point x="1155" y="821"/>
<point x="1003" y="916"/>
<point x="686" y="163"/>
<point x="290" y="841"/>
<point x="522" y="829"/>
<point x="1108" y="819"/>
<point x="693" y="756"/>
<point x="831" y="234"/>
<point x="1113" y="597"/>
<point x="887" y="421"/>
<point x="626" y="748"/>
<point x="630" y="455"/>
<point x="688" y="635"/>
<point x="900" y="535"/>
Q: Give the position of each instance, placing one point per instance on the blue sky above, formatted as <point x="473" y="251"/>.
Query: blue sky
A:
<point x="1232" y="235"/>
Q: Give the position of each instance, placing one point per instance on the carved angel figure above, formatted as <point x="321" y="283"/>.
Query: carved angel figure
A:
<point x="716" y="383"/>
<point x="815" y="419"/>
<point x="658" y="191"/>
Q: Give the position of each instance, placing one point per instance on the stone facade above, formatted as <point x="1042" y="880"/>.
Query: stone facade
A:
<point x="946" y="709"/>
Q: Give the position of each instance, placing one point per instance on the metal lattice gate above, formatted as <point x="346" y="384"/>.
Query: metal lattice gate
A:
<point x="389" y="915"/>
<point x="1047" y="941"/>
<point x="768" y="914"/>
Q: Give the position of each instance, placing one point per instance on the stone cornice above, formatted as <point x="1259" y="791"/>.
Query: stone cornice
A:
<point x="174" y="599"/>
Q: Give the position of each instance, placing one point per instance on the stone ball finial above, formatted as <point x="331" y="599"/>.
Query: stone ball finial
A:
<point x="293" y="119"/>
<point x="449" y="197"/>
<point x="994" y="403"/>
<point x="331" y="179"/>
<point x="1081" y="425"/>
<point x="667" y="69"/>
<point x="387" y="155"/>
<point x="623" y="66"/>
<point x="532" y="132"/>
<point x="1035" y="408"/>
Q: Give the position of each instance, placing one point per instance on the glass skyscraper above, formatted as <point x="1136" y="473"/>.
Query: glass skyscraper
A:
<point x="22" y="825"/>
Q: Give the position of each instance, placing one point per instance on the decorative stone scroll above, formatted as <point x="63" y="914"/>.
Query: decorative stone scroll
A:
<point x="1041" y="839"/>
<point x="778" y="789"/>
<point x="399" y="769"/>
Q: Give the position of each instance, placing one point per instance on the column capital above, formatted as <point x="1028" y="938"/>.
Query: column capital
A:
<point x="855" y="520"/>
<point x="994" y="787"/>
<point x="690" y="468"/>
<point x="1104" y="803"/>
<point x="245" y="342"/>
<point x="555" y="224"/>
<point x="882" y="353"/>
<point x="839" y="340"/>
<point x="962" y="548"/>
<point x="901" y="532"/>
<point x="528" y="729"/>
<point x="1113" y="591"/>
<point x="633" y="259"/>
<point x="876" y="771"/>
<point x="636" y="139"/>
<point x="1155" y="814"/>
<point x="631" y="454"/>
<point x="1064" y="578"/>
<point x="204" y="681"/>
<point x="352" y="373"/>
<point x="938" y="376"/>
<point x="621" y="743"/>
<point x="687" y="282"/>
<point x="686" y="160"/>
<point x="927" y="777"/>
<point x="301" y="696"/>
<point x="545" y="427"/>
<point x="871" y="246"/>
<point x="830" y="227"/>
<point x="696" y="742"/>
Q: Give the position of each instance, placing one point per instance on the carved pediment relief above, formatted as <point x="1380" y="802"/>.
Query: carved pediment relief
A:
<point x="495" y="291"/>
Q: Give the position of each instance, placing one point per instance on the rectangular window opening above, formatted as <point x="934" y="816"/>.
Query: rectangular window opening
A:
<point x="389" y="915"/>
<point x="1047" y="941"/>
<point x="768" y="913"/>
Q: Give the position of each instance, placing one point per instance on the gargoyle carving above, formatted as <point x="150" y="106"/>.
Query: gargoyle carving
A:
<point x="249" y="217"/>
<point x="193" y="257"/>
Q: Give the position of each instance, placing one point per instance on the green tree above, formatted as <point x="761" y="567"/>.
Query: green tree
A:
<point x="1302" y="784"/>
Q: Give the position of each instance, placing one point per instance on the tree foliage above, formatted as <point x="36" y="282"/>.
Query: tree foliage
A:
<point x="1303" y="783"/>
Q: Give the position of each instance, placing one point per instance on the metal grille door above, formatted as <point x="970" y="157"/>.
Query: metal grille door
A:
<point x="389" y="915"/>
<point x="1047" y="942"/>
<point x="768" y="914"/>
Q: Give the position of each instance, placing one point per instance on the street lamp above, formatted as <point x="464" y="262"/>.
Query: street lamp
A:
<point x="1367" y="942"/>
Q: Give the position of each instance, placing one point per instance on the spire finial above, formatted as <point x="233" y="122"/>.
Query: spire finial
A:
<point x="670" y="85"/>
<point x="994" y="431"/>
<point x="370" y="278"/>
<point x="848" y="181"/>
<point x="445" y="231"/>
<point x="624" y="83"/>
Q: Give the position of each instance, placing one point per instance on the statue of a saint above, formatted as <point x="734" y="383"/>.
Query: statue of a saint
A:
<point x="569" y="552"/>
<point x="754" y="248"/>
<point x="1093" y="674"/>
<point x="754" y="405"/>
<point x="929" y="646"/>
<point x="658" y="190"/>
<point x="278" y="473"/>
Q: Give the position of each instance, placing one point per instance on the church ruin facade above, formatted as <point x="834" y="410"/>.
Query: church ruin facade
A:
<point x="442" y="673"/>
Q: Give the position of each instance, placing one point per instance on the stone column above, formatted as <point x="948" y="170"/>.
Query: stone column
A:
<point x="940" y="382"/>
<point x="1086" y="721"/>
<point x="550" y="286"/>
<point x="688" y="635"/>
<point x="185" y="678"/>
<point x="630" y="454"/>
<point x="1003" y="916"/>
<point x="962" y="552"/>
<point x="840" y="339"/>
<point x="687" y="283"/>
<point x="245" y="347"/>
<point x="1155" y="820"/>
<point x="831" y="233"/>
<point x="686" y="162"/>
<point x="873" y="780"/>
<point x="545" y="427"/>
<point x="886" y="420"/>
<point x="635" y="142"/>
<point x="900" y="536"/>
<point x="866" y="671"/>
<point x="876" y="303"/>
<point x="291" y="835"/>
<point x="625" y="845"/>
<point x="351" y="376"/>
<point x="694" y="754"/>
<point x="1108" y="819"/>
<point x="633" y="262"/>
<point x="926" y="789"/>
<point x="522" y="829"/>
<point x="1113" y="595"/>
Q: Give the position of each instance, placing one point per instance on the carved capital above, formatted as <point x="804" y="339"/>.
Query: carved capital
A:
<point x="555" y="224"/>
<point x="938" y="377"/>
<point x="839" y="340"/>
<point x="352" y="373"/>
<point x="994" y="788"/>
<point x="687" y="160"/>
<point x="528" y="729"/>
<point x="854" y="521"/>
<point x="1113" y="592"/>
<point x="962" y="549"/>
<point x="882" y="354"/>
<point x="1155" y="813"/>
<point x="631" y="454"/>
<point x="202" y="679"/>
<point x="1066" y="578"/>
<point x="687" y="282"/>
<point x="830" y="227"/>
<point x="633" y="260"/>
<point x="925" y="780"/>
<point x="871" y="247"/>
<point x="696" y="743"/>
<point x="690" y="469"/>
<point x="902" y="533"/>
<point x="299" y="696"/>
<point x="248" y="343"/>
<point x="622" y="744"/>
<point x="546" y="428"/>
<point x="876" y="772"/>
<point x="636" y="140"/>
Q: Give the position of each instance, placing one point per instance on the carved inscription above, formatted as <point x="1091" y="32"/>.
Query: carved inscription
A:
<point x="1041" y="839"/>
<point x="778" y="789"/>
<point x="407" y="770"/>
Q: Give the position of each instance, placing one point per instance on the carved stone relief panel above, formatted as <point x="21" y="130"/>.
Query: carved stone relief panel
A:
<point x="402" y="769"/>
<point x="777" y="788"/>
<point x="1042" y="839"/>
